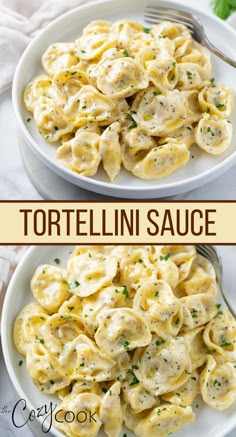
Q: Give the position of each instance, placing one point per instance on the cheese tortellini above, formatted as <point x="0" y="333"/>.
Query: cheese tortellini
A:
<point x="148" y="90"/>
<point x="128" y="335"/>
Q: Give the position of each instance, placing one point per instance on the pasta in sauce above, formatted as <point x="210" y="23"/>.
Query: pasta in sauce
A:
<point x="133" y="333"/>
<point x="126" y="95"/>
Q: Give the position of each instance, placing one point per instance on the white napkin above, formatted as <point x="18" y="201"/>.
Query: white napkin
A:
<point x="20" y="21"/>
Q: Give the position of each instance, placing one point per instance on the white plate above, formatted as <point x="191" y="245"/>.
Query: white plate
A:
<point x="197" y="172"/>
<point x="208" y="422"/>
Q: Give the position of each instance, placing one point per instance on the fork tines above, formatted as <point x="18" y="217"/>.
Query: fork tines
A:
<point x="156" y="14"/>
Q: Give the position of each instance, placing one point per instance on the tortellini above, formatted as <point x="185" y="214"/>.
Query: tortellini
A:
<point x="123" y="95"/>
<point x="121" y="329"/>
<point x="127" y="334"/>
<point x="166" y="419"/>
<point x="79" y="415"/>
<point x="49" y="286"/>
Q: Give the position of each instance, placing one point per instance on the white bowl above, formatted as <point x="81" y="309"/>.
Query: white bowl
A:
<point x="204" y="168"/>
<point x="208" y="422"/>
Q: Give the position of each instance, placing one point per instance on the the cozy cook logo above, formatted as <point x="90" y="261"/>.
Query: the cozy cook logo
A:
<point x="47" y="413"/>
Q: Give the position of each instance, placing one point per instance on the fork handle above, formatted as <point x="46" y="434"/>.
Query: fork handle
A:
<point x="218" y="53"/>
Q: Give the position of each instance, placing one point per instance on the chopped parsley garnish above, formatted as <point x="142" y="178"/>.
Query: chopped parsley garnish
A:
<point x="126" y="53"/>
<point x="194" y="313"/>
<point x="84" y="107"/>
<point x="173" y="78"/>
<point x="133" y="125"/>
<point x="83" y="51"/>
<point x="42" y="318"/>
<point x="56" y="128"/>
<point x="104" y="390"/>
<point x="174" y="64"/>
<point x="177" y="321"/>
<point x="225" y="344"/>
<point x="163" y="36"/>
<point x="156" y="93"/>
<point x="193" y="378"/>
<point x="157" y="293"/>
<point x="73" y="73"/>
<point x="126" y="345"/>
<point x="20" y="363"/>
<point x="134" y="381"/>
<point x="165" y="257"/>
<point x="70" y="308"/>
<point x="81" y="365"/>
<point x="220" y="105"/>
<point x="213" y="82"/>
<point x="28" y="120"/>
<point x="159" y="342"/>
<point x="189" y="128"/>
<point x="218" y="305"/>
<point x="125" y="292"/>
<point x="72" y="286"/>
<point x="57" y="260"/>
<point x="189" y="75"/>
<point x="52" y="382"/>
<point x="147" y="30"/>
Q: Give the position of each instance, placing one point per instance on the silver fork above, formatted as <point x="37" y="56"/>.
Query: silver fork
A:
<point x="157" y="14"/>
<point x="211" y="254"/>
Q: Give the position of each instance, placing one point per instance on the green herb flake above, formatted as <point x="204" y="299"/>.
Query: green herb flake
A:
<point x="72" y="286"/>
<point x="84" y="107"/>
<point x="28" y="120"/>
<point x="71" y="308"/>
<point x="165" y="257"/>
<point x="157" y="293"/>
<point x="159" y="342"/>
<point x="225" y="344"/>
<point x="126" y="345"/>
<point x="125" y="292"/>
<point x="134" y="381"/>
<point x="73" y="73"/>
<point x="81" y="365"/>
<point x="133" y="125"/>
<point x="156" y="93"/>
<point x="56" y="128"/>
<point x="220" y="105"/>
<point x="57" y="260"/>
<point x="20" y="363"/>
<point x="212" y="80"/>
<point x="218" y="305"/>
<point x="52" y="382"/>
<point x="126" y="53"/>
<point x="147" y="30"/>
